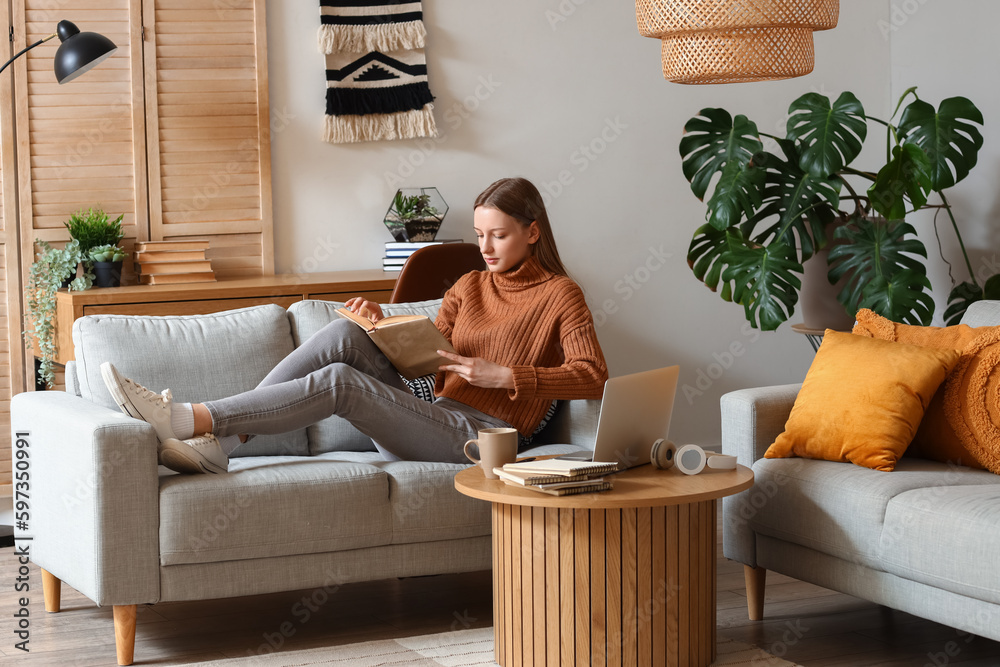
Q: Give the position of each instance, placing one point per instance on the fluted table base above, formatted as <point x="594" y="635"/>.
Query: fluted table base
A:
<point x="630" y="586"/>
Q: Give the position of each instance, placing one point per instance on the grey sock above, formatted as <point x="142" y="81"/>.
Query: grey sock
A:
<point x="229" y="443"/>
<point x="182" y="420"/>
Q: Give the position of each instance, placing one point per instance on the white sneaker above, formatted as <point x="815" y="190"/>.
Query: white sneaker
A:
<point x="195" y="455"/>
<point x="138" y="402"/>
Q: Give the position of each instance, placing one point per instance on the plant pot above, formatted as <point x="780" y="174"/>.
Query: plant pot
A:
<point x="414" y="231"/>
<point x="818" y="298"/>
<point x="108" y="274"/>
<point x="70" y="277"/>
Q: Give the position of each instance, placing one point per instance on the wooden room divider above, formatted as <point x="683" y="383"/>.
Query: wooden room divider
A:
<point x="172" y="131"/>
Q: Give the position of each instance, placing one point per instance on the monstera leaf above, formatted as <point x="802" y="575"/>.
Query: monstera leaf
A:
<point x="705" y="256"/>
<point x="796" y="205"/>
<point x="961" y="297"/>
<point x="713" y="142"/>
<point x="829" y="137"/>
<point x="764" y="282"/>
<point x="737" y="194"/>
<point x="882" y="272"/>
<point x="905" y="297"/>
<point x="908" y="174"/>
<point x="965" y="294"/>
<point x="947" y="136"/>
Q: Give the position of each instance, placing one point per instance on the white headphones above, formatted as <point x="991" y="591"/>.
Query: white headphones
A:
<point x="689" y="459"/>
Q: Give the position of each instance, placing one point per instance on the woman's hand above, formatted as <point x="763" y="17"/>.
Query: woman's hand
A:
<point x="479" y="372"/>
<point x="365" y="308"/>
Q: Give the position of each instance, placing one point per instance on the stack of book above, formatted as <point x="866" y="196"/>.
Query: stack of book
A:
<point x="558" y="477"/>
<point x="168" y="262"/>
<point x="397" y="252"/>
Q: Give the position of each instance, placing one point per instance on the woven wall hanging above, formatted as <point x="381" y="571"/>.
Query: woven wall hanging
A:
<point x="735" y="41"/>
<point x="376" y="71"/>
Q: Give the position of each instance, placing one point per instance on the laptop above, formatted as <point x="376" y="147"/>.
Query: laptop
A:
<point x="635" y="412"/>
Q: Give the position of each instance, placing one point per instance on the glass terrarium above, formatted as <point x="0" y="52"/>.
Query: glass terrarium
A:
<point x="415" y="214"/>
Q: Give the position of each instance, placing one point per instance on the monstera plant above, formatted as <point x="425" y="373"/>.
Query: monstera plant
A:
<point x="769" y="212"/>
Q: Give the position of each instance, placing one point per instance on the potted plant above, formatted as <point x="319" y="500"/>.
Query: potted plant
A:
<point x="768" y="213"/>
<point x="415" y="214"/>
<point x="107" y="261"/>
<point x="92" y="228"/>
<point x="53" y="268"/>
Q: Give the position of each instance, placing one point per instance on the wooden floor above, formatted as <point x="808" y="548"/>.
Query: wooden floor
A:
<point x="803" y="623"/>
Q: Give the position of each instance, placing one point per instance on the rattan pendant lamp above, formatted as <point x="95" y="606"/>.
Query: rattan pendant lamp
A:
<point x="735" y="41"/>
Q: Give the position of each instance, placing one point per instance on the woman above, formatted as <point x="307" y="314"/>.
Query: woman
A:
<point x="523" y="334"/>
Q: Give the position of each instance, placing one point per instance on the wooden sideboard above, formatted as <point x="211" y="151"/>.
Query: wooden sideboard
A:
<point x="224" y="294"/>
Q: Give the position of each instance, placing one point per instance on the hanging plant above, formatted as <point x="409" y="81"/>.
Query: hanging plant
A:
<point x="51" y="269"/>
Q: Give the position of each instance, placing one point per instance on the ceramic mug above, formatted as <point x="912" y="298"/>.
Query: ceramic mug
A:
<point x="497" y="446"/>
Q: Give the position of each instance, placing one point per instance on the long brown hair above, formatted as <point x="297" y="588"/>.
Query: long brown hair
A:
<point x="519" y="199"/>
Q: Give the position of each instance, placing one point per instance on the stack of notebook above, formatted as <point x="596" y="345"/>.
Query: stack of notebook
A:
<point x="558" y="477"/>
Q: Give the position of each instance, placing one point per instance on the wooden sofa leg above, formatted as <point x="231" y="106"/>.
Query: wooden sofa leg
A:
<point x="51" y="589"/>
<point x="125" y="632"/>
<point x="754" y="578"/>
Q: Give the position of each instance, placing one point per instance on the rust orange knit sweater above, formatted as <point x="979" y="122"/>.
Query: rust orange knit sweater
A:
<point x="533" y="321"/>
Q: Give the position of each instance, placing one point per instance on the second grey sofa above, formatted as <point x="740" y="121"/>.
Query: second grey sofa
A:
<point x="923" y="539"/>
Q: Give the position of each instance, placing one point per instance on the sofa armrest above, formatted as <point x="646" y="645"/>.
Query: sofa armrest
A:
<point x="93" y="492"/>
<point x="751" y="420"/>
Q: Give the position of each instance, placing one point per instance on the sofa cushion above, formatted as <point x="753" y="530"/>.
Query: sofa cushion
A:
<point x="946" y="537"/>
<point x="309" y="316"/>
<point x="839" y="509"/>
<point x="273" y="506"/>
<point x="425" y="507"/>
<point x="862" y="400"/>
<point x="198" y="357"/>
<point x="936" y="439"/>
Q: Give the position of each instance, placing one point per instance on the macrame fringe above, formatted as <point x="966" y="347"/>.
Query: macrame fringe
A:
<point x="379" y="127"/>
<point x="364" y="38"/>
<point x="364" y="101"/>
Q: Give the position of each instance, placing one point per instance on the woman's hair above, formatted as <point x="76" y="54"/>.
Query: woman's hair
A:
<point x="519" y="199"/>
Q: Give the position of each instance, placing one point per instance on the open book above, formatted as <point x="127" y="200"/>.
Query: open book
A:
<point x="410" y="342"/>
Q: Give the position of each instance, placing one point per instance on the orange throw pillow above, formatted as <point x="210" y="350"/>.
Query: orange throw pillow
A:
<point x="862" y="401"/>
<point x="957" y="434"/>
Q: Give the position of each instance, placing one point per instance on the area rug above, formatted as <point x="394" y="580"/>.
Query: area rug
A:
<point x="376" y="71"/>
<point x="463" y="648"/>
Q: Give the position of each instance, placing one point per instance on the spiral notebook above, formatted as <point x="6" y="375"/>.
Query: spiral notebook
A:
<point x="561" y="468"/>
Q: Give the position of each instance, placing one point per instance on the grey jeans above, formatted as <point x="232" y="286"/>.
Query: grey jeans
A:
<point x="339" y="371"/>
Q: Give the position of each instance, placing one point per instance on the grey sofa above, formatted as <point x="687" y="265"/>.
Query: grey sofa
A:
<point x="317" y="507"/>
<point x="923" y="539"/>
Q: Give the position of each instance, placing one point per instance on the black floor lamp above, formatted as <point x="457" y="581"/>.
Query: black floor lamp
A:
<point x="78" y="53"/>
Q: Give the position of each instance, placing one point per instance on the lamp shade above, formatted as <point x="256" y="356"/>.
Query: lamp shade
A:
<point x="79" y="51"/>
<point x="732" y="41"/>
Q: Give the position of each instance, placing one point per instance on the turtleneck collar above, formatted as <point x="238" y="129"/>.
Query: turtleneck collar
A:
<point x="529" y="273"/>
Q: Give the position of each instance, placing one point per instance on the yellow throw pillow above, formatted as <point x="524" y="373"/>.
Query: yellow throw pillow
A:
<point x="862" y="400"/>
<point x="956" y="434"/>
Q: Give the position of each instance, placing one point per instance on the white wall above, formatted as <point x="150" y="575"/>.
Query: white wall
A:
<point x="948" y="48"/>
<point x="522" y="86"/>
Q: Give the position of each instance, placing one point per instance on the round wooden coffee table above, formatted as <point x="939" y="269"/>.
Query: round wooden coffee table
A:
<point x="620" y="577"/>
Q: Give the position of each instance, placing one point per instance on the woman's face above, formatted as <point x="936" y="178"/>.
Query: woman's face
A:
<point x="504" y="241"/>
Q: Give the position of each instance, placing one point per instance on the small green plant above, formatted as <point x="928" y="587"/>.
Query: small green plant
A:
<point x="51" y="268"/>
<point x="107" y="253"/>
<point x="413" y="207"/>
<point x="92" y="228"/>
